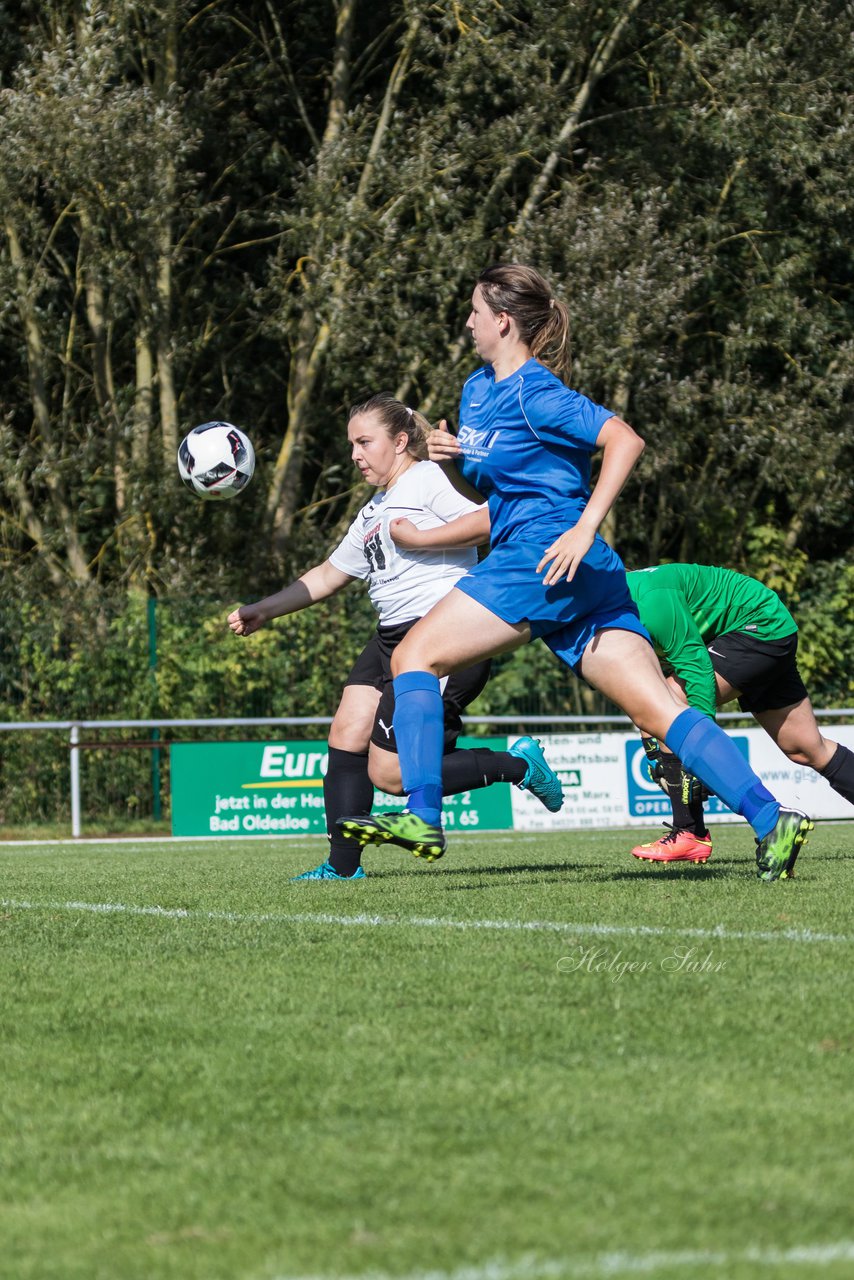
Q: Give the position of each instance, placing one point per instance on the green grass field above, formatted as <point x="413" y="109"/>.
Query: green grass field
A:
<point x="535" y="1059"/>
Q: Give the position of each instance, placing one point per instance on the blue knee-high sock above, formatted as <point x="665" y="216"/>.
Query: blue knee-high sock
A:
<point x="419" y="727"/>
<point x="705" y="750"/>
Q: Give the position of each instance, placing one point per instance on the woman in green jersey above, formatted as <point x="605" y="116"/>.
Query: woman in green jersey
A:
<point x="725" y="636"/>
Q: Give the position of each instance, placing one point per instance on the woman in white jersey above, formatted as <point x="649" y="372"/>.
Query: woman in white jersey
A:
<point x="389" y="450"/>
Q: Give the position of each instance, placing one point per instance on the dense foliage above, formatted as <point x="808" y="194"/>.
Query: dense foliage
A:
<point x="256" y="211"/>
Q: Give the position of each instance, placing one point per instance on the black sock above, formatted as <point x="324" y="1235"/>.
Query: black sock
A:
<point x="686" y="799"/>
<point x="839" y="772"/>
<point x="347" y="789"/>
<point x="469" y="770"/>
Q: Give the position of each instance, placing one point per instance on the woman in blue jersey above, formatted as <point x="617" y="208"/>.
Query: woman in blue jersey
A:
<point x="388" y="443"/>
<point x="525" y="443"/>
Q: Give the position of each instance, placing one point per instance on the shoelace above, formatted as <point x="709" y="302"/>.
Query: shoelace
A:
<point x="675" y="832"/>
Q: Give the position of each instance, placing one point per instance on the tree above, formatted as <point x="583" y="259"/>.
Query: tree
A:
<point x="88" y="192"/>
<point x="252" y="211"/>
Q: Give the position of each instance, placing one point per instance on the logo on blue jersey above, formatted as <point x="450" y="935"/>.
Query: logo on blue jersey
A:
<point x="482" y="441"/>
<point x="647" y="800"/>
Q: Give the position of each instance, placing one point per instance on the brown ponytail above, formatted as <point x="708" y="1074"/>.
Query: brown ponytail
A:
<point x="542" y="319"/>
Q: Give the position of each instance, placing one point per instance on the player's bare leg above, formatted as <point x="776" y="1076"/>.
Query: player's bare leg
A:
<point x="623" y="666"/>
<point x="615" y="663"/>
<point x="353" y="721"/>
<point x="384" y="770"/>
<point x="457" y="632"/>
<point x="796" y="733"/>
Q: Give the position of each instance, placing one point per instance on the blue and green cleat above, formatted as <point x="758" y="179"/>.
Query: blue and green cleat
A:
<point x="401" y="827"/>
<point x="777" y="853"/>
<point x="326" y="871"/>
<point x="540" y="779"/>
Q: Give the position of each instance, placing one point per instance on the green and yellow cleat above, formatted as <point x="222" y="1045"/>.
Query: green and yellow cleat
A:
<point x="777" y="853"/>
<point x="402" y="828"/>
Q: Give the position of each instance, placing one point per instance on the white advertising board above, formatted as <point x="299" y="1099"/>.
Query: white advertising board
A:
<point x="606" y="782"/>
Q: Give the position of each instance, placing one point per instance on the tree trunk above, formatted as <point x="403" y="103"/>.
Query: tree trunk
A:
<point x="102" y="368"/>
<point x="165" y="80"/>
<point x="313" y="336"/>
<point x="143" y="399"/>
<point x="77" y="562"/>
<point x="598" y="65"/>
<point x="306" y="361"/>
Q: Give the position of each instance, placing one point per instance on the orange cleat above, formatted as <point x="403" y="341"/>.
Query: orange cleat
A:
<point x="676" y="846"/>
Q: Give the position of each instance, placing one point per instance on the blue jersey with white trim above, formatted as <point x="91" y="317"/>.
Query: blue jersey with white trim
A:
<point x="527" y="441"/>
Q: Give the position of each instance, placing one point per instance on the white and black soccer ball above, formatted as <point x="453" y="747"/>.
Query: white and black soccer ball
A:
<point x="216" y="460"/>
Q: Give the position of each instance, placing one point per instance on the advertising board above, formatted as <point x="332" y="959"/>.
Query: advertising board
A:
<point x="276" y="788"/>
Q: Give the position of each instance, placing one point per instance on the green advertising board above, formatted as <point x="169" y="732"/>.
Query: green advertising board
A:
<point x="276" y="788"/>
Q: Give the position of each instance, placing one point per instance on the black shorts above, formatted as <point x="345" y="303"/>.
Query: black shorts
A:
<point x="766" y="671"/>
<point x="373" y="667"/>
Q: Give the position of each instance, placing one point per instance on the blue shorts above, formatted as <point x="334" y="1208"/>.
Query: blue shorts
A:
<point x="566" y="615"/>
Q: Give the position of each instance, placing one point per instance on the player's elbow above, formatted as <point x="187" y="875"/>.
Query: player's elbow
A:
<point x="618" y="435"/>
<point x="634" y="442"/>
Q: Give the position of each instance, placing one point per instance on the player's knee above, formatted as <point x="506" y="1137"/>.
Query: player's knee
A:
<point x="408" y="658"/>
<point x="349" y="737"/>
<point x="416" y="652"/>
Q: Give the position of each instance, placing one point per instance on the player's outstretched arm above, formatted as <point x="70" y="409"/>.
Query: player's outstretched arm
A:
<point x="315" y="584"/>
<point x="471" y="530"/>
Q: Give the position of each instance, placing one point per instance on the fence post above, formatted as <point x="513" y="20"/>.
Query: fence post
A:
<point x="75" y="781"/>
<point x="152" y="667"/>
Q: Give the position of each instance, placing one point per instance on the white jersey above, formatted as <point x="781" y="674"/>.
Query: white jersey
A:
<point x="404" y="583"/>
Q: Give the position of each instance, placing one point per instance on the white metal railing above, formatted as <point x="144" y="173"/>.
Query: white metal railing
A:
<point x="73" y="728"/>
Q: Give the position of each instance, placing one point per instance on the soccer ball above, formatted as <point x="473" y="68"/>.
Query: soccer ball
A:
<point x="216" y="460"/>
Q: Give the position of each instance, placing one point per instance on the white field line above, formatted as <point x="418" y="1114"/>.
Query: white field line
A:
<point x="606" y="1265"/>
<point x="127" y="843"/>
<point x="719" y="933"/>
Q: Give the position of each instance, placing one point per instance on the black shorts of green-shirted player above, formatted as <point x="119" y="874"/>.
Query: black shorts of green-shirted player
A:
<point x="347" y="785"/>
<point x="723" y="636"/>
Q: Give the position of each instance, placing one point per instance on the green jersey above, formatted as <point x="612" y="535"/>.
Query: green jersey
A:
<point x="685" y="607"/>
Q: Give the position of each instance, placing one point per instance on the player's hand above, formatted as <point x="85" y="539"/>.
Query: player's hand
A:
<point x="404" y="533"/>
<point x="565" y="555"/>
<point x="441" y="445"/>
<point x="246" y="620"/>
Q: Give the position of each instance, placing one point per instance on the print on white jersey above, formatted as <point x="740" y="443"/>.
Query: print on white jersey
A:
<point x="403" y="584"/>
<point x="374" y="553"/>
